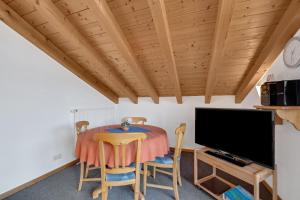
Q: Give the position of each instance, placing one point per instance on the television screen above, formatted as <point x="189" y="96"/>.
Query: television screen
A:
<point x="248" y="134"/>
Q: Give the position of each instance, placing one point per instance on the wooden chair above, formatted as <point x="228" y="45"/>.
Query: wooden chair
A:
<point x="84" y="170"/>
<point x="81" y="126"/>
<point x="120" y="174"/>
<point x="168" y="162"/>
<point x="136" y="120"/>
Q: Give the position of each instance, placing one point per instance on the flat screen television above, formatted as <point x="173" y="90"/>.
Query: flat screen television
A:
<point x="245" y="133"/>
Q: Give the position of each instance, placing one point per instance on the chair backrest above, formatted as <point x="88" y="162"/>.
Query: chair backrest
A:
<point x="136" y="120"/>
<point x="180" y="131"/>
<point x="117" y="141"/>
<point x="81" y="126"/>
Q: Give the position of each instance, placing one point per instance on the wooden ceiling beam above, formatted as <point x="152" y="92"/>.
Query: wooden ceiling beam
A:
<point x="285" y="29"/>
<point x="66" y="28"/>
<point x="225" y="11"/>
<point x="17" y="23"/>
<point x="106" y="19"/>
<point x="159" y="15"/>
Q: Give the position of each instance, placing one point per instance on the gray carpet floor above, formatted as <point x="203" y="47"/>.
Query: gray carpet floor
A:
<point x="63" y="186"/>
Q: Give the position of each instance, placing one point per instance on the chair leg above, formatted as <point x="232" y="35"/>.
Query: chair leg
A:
<point x="81" y="175"/>
<point x="136" y="195"/>
<point x="96" y="193"/>
<point x="175" y="187"/>
<point x="136" y="191"/>
<point x="145" y="178"/>
<point x="179" y="176"/>
<point x="87" y="168"/>
<point x="154" y="172"/>
<point x="104" y="193"/>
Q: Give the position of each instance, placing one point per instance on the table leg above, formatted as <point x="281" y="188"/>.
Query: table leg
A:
<point x="214" y="171"/>
<point x="195" y="167"/>
<point x="274" y="184"/>
<point x="256" y="188"/>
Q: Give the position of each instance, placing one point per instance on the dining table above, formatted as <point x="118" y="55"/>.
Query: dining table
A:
<point x="155" y="145"/>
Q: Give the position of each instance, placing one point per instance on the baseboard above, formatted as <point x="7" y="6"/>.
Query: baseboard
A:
<point x="36" y="180"/>
<point x="188" y="150"/>
<point x="269" y="188"/>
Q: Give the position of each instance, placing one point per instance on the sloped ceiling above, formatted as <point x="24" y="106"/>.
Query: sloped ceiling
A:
<point x="139" y="48"/>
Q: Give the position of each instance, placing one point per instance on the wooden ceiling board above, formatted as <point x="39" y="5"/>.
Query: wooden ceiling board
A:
<point x="21" y="6"/>
<point x="134" y="18"/>
<point x="35" y="18"/>
<point x="190" y="6"/>
<point x="253" y="21"/>
<point x="194" y="19"/>
<point x="192" y="24"/>
<point x="69" y="7"/>
<point x="288" y="25"/>
<point x="243" y="44"/>
<point x="224" y="16"/>
<point x="201" y="32"/>
<point x="7" y="1"/>
<point x="124" y="7"/>
<point x="76" y="55"/>
<point x="138" y="25"/>
<point x="81" y="16"/>
<point x="47" y="28"/>
<point x="74" y="22"/>
<point x="102" y="43"/>
<point x="249" y="34"/>
<point x="246" y="8"/>
<point x="257" y="21"/>
<point x="14" y="20"/>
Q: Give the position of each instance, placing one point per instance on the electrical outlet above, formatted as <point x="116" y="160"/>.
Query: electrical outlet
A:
<point x="57" y="156"/>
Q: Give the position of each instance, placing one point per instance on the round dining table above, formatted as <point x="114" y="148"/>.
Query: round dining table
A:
<point x="155" y="145"/>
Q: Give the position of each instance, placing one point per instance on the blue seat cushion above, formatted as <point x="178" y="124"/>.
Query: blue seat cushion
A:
<point x="120" y="177"/>
<point x="133" y="165"/>
<point x="238" y="192"/>
<point x="172" y="156"/>
<point x="164" y="160"/>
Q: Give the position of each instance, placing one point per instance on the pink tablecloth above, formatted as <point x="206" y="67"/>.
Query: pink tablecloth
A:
<point x="156" y="144"/>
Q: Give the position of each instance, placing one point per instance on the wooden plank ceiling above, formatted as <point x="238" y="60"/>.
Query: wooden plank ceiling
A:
<point x="154" y="48"/>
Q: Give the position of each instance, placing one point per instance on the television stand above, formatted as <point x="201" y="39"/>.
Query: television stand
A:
<point x="251" y="173"/>
<point x="228" y="157"/>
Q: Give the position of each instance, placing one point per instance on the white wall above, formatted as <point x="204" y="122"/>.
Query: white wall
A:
<point x="287" y="140"/>
<point x="37" y="95"/>
<point x="168" y="114"/>
<point x="96" y="116"/>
